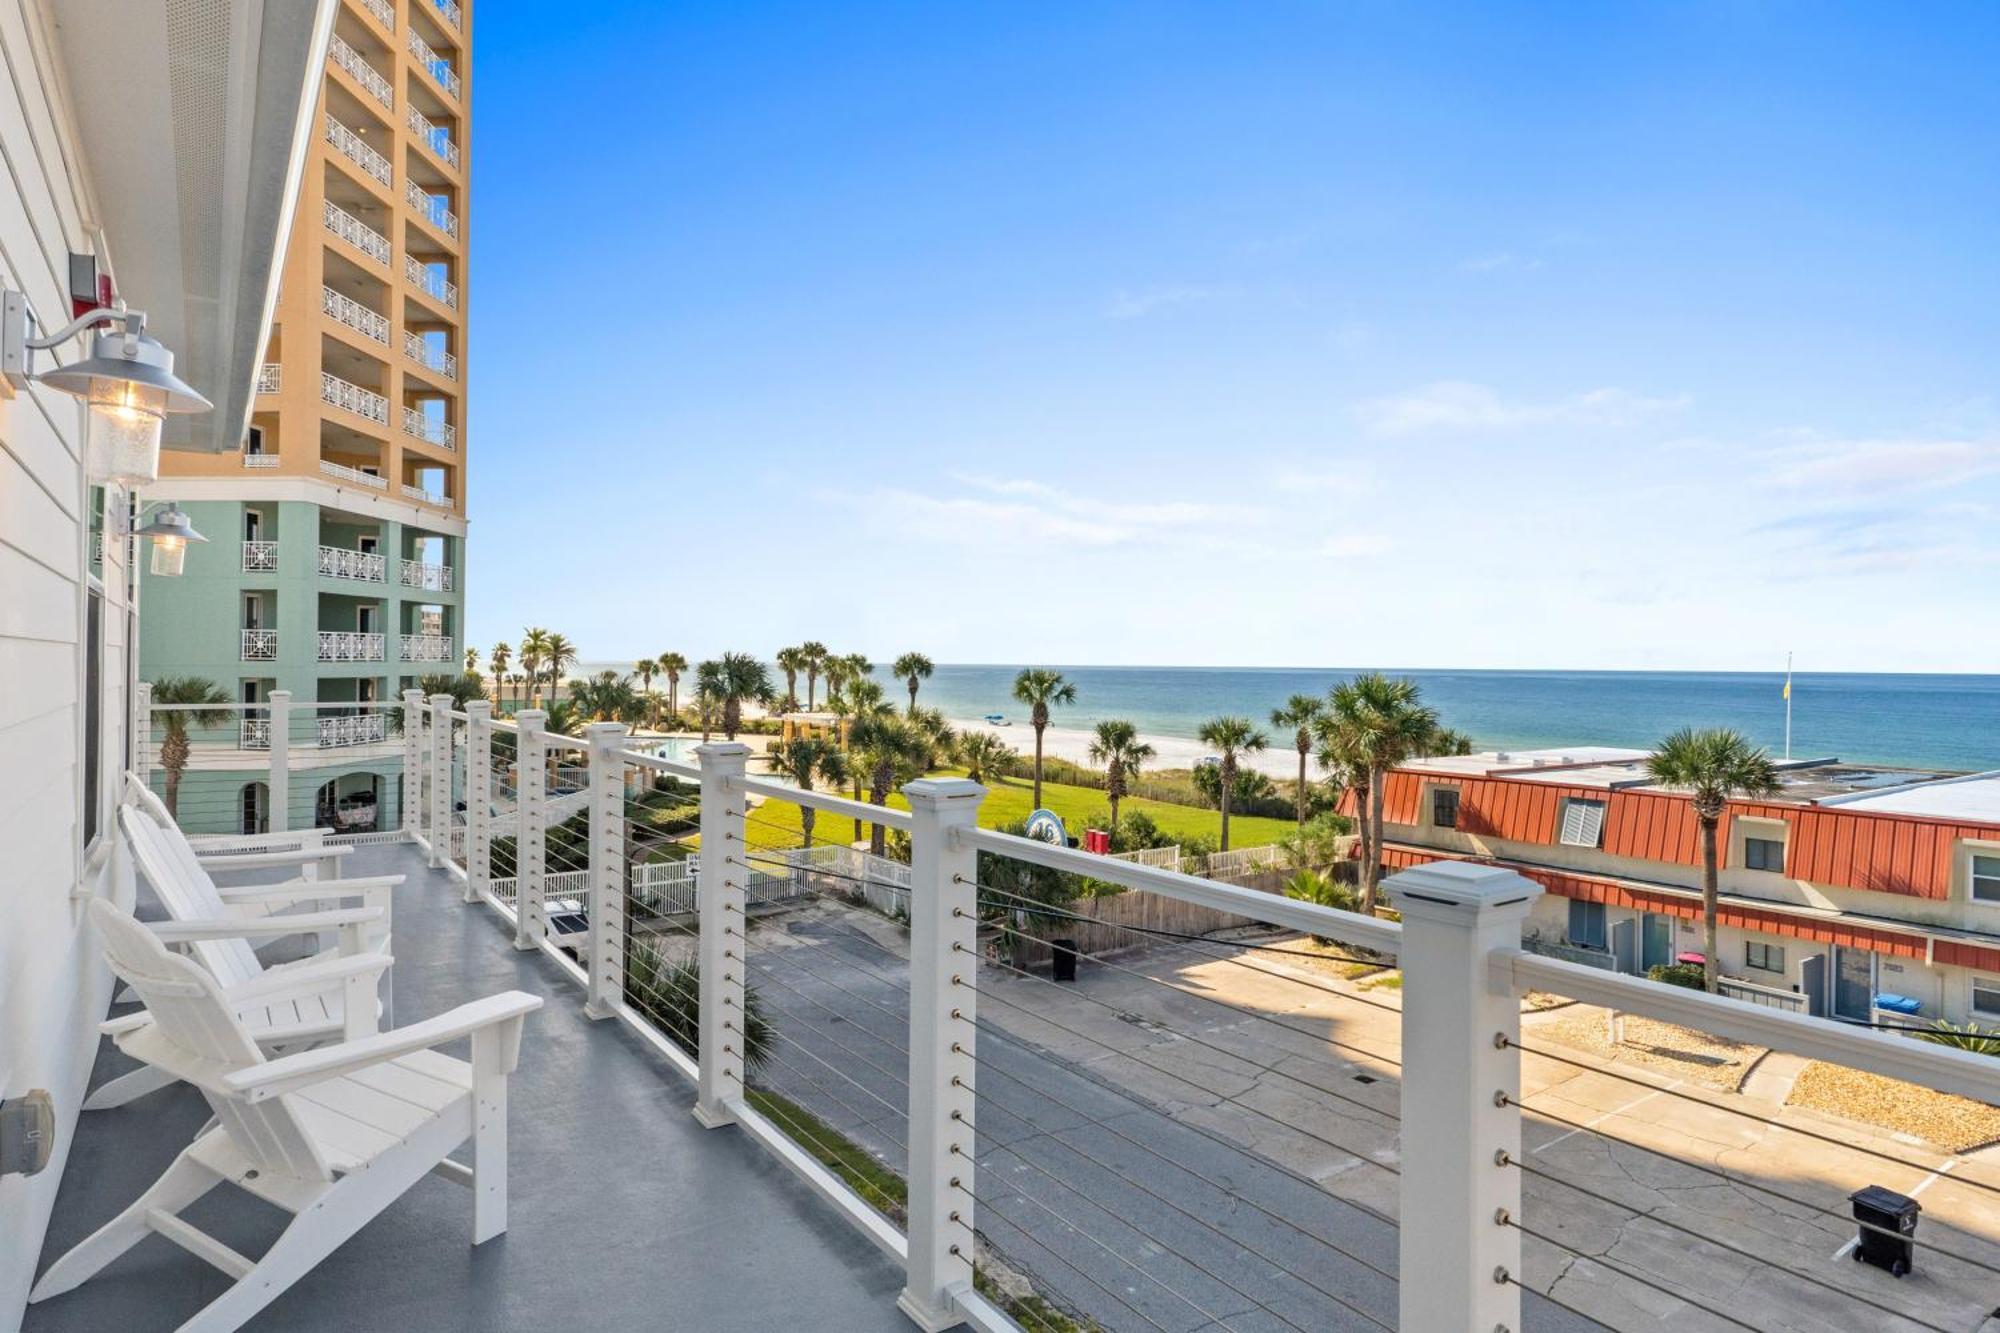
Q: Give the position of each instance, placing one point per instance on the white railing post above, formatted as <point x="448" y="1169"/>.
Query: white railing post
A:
<point x="438" y="817"/>
<point x="478" y="798"/>
<point x="1461" y="1096"/>
<point x="531" y="828"/>
<point x="719" y="894"/>
<point x="277" y="804"/>
<point x="607" y="868"/>
<point x="413" y="764"/>
<point x="944" y="964"/>
<point x="142" y="731"/>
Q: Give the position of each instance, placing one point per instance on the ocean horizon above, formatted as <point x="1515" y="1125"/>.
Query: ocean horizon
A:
<point x="1910" y="720"/>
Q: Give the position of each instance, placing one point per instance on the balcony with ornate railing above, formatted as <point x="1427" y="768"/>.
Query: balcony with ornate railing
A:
<point x="353" y="398"/>
<point x="423" y="496"/>
<point x="344" y="309"/>
<point x="270" y="377"/>
<point x="355" y="232"/>
<point x="337" y="562"/>
<point x="356" y="150"/>
<point x="419" y="574"/>
<point x="256" y="461"/>
<point x="433" y="136"/>
<point x="420" y="349"/>
<point x="425" y="648"/>
<point x="429" y="281"/>
<point x="434" y="65"/>
<point x="361" y="729"/>
<point x="259" y="557"/>
<point x="363" y="73"/>
<point x="450" y="11"/>
<point x="341" y="645"/>
<point x="384" y="12"/>
<point x="432" y="430"/>
<point x="434" y="209"/>
<point x="254" y="733"/>
<point x="260" y="645"/>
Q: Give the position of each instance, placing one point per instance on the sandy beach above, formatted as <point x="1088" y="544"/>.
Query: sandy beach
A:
<point x="1073" y="744"/>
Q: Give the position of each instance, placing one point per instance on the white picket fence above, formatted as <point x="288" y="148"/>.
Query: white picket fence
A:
<point x="1160" y="858"/>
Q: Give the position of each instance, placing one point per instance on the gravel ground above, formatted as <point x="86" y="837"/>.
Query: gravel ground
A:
<point x="1677" y="1051"/>
<point x="1955" y="1124"/>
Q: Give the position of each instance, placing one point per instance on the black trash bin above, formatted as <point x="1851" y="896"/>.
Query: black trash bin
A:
<point x="1888" y="1229"/>
<point x="1064" y="960"/>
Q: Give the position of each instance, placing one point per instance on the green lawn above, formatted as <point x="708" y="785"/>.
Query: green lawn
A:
<point x="1009" y="800"/>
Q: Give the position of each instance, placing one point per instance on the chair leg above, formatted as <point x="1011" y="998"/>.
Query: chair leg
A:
<point x="128" y="1087"/>
<point x="489" y="1140"/>
<point x="185" y="1181"/>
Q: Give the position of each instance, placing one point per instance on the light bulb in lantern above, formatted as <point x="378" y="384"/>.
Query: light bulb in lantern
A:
<point x="169" y="556"/>
<point x="170" y="532"/>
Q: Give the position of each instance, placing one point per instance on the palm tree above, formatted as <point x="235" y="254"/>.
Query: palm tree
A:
<point x="1382" y="722"/>
<point x="517" y="680"/>
<point x="816" y="659"/>
<point x="1299" y="713"/>
<point x="914" y="668"/>
<point x="985" y="754"/>
<point x="498" y="658"/>
<point x="607" y="697"/>
<point x="534" y="653"/>
<point x="862" y="706"/>
<point x="201" y="702"/>
<point x="891" y="750"/>
<point x="1346" y="767"/>
<point x="739" y="678"/>
<point x="671" y="665"/>
<point x="791" y="661"/>
<point x="708" y="695"/>
<point x="560" y="656"/>
<point x="471" y="661"/>
<point x="1232" y="738"/>
<point x="1041" y="689"/>
<point x="807" y="759"/>
<point x="1711" y="765"/>
<point x="842" y="672"/>
<point x="1117" y="746"/>
<point x="937" y="734"/>
<point x="644" y="669"/>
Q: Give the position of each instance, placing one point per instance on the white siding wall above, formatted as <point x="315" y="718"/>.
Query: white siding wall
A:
<point x="53" y="990"/>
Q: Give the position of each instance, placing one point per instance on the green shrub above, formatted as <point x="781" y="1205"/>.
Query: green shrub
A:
<point x="1971" y="1037"/>
<point x="669" y="994"/>
<point x="1310" y="886"/>
<point x="1678" y="974"/>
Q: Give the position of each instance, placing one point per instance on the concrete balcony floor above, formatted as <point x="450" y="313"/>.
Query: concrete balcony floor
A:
<point x="624" y="1213"/>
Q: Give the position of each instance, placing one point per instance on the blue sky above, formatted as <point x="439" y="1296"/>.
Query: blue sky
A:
<point x="1259" y="334"/>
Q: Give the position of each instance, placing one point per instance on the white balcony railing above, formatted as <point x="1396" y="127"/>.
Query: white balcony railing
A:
<point x="434" y="137"/>
<point x="451" y="12"/>
<point x="270" y="377"/>
<point x="341" y="645"/>
<point x="354" y="398"/>
<point x="364" y="729"/>
<point x="441" y="433"/>
<point x="346" y="310"/>
<point x="433" y="208"/>
<point x="355" y="232"/>
<point x="356" y="150"/>
<point x="352" y="474"/>
<point x="260" y="460"/>
<point x="418" y="574"/>
<point x="337" y="562"/>
<point x="384" y="12"/>
<point x="363" y="73"/>
<point x="259" y="557"/>
<point x="423" y="496"/>
<point x="254" y="733"/>
<point x="260" y="645"/>
<point x="426" y="648"/>
<point x="430" y="281"/>
<point x="419" y="349"/>
<point x="434" y="65"/>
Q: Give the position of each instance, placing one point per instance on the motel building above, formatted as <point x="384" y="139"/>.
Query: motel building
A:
<point x="1850" y="893"/>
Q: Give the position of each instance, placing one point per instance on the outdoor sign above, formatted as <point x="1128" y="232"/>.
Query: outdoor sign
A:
<point x="1047" y="826"/>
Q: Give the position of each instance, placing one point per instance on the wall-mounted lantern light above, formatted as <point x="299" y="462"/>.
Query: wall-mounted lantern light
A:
<point x="170" y="531"/>
<point x="128" y="380"/>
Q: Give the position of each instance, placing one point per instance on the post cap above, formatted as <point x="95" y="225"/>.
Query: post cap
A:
<point x="934" y="795"/>
<point x="1461" y="891"/>
<point x="726" y="753"/>
<point x="478" y="706"/>
<point x="442" y="700"/>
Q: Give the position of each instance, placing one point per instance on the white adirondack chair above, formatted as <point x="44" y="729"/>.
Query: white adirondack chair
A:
<point x="217" y="925"/>
<point x="332" y="1136"/>
<point x="304" y="848"/>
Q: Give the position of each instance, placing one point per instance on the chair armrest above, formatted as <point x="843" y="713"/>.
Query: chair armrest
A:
<point x="306" y="890"/>
<point x="318" y="974"/>
<point x="226" y="861"/>
<point x="292" y="1072"/>
<point x="261" y="928"/>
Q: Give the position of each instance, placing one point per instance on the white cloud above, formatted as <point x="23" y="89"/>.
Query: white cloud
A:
<point x="1870" y="466"/>
<point x="1460" y="405"/>
<point x="1500" y="261"/>
<point x="1151" y="300"/>
<point x="1141" y="514"/>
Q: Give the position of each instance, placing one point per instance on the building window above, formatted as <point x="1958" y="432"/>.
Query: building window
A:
<point x="1444" y="807"/>
<point x="1986" y="995"/>
<point x="93" y="713"/>
<point x="1764" y="957"/>
<point x="1764" y="854"/>
<point x="1586" y="924"/>
<point x="253" y="441"/>
<point x="1582" y="823"/>
<point x="1986" y="879"/>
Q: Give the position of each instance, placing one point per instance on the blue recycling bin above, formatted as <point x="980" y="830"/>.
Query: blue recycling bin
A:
<point x="1898" y="1004"/>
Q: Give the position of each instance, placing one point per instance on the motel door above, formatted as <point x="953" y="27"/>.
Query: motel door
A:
<point x="1854" y="984"/>
<point x="1658" y="946"/>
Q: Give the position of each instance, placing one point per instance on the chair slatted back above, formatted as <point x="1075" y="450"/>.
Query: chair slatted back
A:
<point x="191" y="1019"/>
<point x="188" y="894"/>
